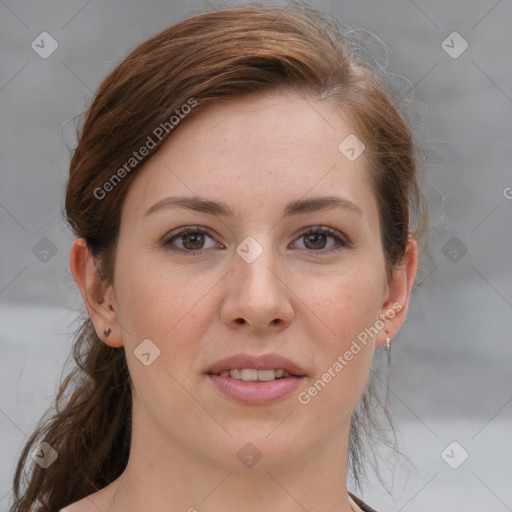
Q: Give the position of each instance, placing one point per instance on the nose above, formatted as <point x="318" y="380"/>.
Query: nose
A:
<point x="257" y="296"/>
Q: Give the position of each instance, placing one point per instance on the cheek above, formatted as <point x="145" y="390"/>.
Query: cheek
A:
<point x="348" y="302"/>
<point x="164" y="307"/>
<point x="167" y="306"/>
<point x="348" y="305"/>
<point x="150" y="296"/>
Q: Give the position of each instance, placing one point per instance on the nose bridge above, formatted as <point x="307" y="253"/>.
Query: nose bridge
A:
<point x="256" y="292"/>
<point x="256" y="261"/>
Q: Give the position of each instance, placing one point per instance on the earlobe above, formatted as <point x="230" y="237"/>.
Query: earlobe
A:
<point x="394" y="310"/>
<point x="96" y="297"/>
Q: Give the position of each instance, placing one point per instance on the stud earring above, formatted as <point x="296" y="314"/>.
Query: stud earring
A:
<point x="107" y="331"/>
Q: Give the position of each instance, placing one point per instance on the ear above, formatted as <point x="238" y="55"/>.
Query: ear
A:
<point x="99" y="300"/>
<point x="394" y="309"/>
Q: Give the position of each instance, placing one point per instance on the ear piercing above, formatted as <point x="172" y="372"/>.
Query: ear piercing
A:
<point x="388" y="354"/>
<point x="107" y="331"/>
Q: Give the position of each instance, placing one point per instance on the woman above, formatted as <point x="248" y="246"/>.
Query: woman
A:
<point x="241" y="196"/>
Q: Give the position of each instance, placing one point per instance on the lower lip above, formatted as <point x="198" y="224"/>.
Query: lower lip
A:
<point x="256" y="392"/>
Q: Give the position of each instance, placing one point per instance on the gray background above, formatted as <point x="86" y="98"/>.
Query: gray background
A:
<point x="451" y="376"/>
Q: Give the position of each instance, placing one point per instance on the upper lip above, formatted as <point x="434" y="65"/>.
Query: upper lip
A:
<point x="262" y="362"/>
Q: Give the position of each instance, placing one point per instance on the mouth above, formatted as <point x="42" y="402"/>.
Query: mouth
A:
<point x="254" y="375"/>
<point x="249" y="367"/>
<point x="256" y="380"/>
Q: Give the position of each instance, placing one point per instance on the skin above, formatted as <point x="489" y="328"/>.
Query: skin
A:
<point x="299" y="298"/>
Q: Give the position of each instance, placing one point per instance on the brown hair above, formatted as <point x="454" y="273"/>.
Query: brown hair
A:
<point x="204" y="58"/>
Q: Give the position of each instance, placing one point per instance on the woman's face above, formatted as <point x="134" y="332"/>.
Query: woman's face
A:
<point x="266" y="280"/>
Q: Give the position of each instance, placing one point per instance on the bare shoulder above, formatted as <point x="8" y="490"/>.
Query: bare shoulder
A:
<point x="69" y="508"/>
<point x="83" y="505"/>
<point x="97" y="501"/>
<point x="74" y="507"/>
<point x="92" y="503"/>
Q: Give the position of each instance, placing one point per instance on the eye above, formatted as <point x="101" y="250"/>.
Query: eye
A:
<point x="190" y="240"/>
<point x="315" y="239"/>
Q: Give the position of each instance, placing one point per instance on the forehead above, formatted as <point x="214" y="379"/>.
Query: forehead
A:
<point x="255" y="151"/>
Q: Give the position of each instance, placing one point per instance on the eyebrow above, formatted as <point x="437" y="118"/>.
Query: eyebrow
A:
<point x="200" y="204"/>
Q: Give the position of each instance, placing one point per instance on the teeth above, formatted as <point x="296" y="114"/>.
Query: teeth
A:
<point x="266" y="375"/>
<point x="251" y="374"/>
<point x="235" y="374"/>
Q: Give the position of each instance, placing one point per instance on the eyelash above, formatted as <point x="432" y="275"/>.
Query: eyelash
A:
<point x="312" y="229"/>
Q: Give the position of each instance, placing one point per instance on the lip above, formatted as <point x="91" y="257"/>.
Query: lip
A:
<point x="262" y="362"/>
<point x="256" y="392"/>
